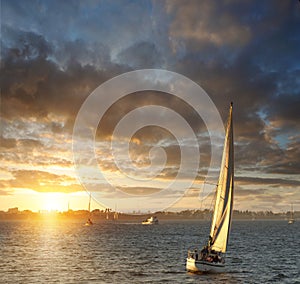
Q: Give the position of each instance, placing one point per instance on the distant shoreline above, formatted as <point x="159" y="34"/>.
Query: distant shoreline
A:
<point x="102" y="215"/>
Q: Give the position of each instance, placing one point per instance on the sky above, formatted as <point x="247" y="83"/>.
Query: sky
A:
<point x="54" y="54"/>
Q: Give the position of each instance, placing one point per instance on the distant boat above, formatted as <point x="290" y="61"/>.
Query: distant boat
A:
<point x="89" y="221"/>
<point x="151" y="221"/>
<point x="116" y="215"/>
<point x="211" y="257"/>
<point x="291" y="220"/>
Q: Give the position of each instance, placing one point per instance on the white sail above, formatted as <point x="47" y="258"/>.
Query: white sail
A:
<point x="224" y="194"/>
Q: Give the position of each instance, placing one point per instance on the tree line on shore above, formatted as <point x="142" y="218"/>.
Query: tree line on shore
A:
<point x="108" y="214"/>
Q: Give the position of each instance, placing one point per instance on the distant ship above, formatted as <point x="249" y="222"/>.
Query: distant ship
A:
<point x="89" y="221"/>
<point x="116" y="215"/>
<point x="211" y="257"/>
<point x="151" y="221"/>
<point x="292" y="220"/>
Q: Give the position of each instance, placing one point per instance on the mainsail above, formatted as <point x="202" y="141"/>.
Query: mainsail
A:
<point x="224" y="194"/>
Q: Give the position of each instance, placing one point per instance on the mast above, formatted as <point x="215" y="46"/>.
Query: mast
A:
<point x="221" y="221"/>
<point x="90" y="203"/>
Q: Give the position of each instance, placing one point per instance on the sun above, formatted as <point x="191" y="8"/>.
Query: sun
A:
<point x="53" y="202"/>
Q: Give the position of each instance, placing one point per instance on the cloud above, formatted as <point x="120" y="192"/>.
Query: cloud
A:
<point x="288" y="163"/>
<point x="42" y="181"/>
<point x="267" y="181"/>
<point x="242" y="52"/>
<point x="194" y="22"/>
<point x="283" y="111"/>
<point x="34" y="84"/>
<point x="141" y="55"/>
<point x="5" y="192"/>
<point x="29" y="143"/>
<point x="7" y="142"/>
<point x="142" y="191"/>
<point x="249" y="192"/>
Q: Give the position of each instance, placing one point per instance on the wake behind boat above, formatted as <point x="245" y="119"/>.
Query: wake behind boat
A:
<point x="211" y="257"/>
<point x="151" y="221"/>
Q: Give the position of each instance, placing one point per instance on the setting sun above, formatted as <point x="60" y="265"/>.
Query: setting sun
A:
<point x="54" y="202"/>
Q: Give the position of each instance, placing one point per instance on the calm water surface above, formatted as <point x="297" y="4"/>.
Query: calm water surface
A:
<point x="68" y="252"/>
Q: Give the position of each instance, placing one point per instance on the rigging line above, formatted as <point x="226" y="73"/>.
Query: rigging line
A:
<point x="213" y="200"/>
<point x="202" y="190"/>
<point x="214" y="195"/>
<point x="211" y="183"/>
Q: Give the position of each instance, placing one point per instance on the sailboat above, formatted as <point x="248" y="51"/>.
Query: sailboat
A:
<point x="291" y="220"/>
<point x="116" y="214"/>
<point x="211" y="258"/>
<point x="89" y="221"/>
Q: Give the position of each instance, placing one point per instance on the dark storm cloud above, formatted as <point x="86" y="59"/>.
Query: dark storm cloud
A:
<point x="26" y="45"/>
<point x="259" y="74"/>
<point x="141" y="55"/>
<point x="283" y="110"/>
<point x="33" y="85"/>
<point x="250" y="74"/>
<point x="289" y="161"/>
<point x="194" y="22"/>
<point x="53" y="56"/>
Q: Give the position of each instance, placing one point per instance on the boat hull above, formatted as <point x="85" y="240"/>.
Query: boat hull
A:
<point x="151" y="221"/>
<point x="195" y="266"/>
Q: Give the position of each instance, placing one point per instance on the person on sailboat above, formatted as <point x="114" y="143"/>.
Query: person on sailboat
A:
<point x="204" y="252"/>
<point x="209" y="241"/>
<point x="196" y="254"/>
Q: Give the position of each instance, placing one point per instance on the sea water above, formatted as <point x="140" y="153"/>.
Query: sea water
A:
<point x="126" y="252"/>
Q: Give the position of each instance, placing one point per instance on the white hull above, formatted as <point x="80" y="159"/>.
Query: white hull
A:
<point x="193" y="265"/>
<point x="150" y="221"/>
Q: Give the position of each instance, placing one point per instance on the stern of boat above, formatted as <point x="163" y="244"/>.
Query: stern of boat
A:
<point x="195" y="265"/>
<point x="199" y="266"/>
<point x="190" y="265"/>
